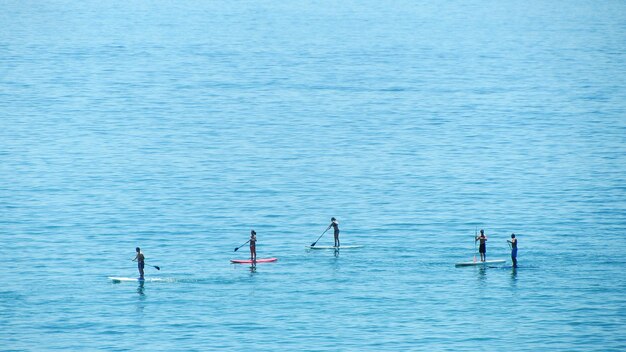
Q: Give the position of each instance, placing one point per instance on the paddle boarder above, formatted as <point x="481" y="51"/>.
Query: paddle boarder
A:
<point x="139" y="258"/>
<point x="482" y="248"/>
<point x="253" y="246"/>
<point x="513" y="243"/>
<point x="335" y="225"/>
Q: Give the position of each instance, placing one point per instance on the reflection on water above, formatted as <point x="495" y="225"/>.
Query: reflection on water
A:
<point x="513" y="276"/>
<point x="482" y="274"/>
<point x="141" y="302"/>
<point x="140" y="288"/>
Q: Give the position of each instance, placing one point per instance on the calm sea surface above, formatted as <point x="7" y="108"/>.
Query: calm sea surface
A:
<point x="178" y="126"/>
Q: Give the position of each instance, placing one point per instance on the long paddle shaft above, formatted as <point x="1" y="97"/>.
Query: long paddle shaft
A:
<point x="236" y="249"/>
<point x="475" y="234"/>
<point x="313" y="244"/>
<point x="154" y="266"/>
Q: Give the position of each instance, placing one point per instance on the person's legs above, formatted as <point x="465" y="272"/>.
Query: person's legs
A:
<point x="337" y="239"/>
<point x="140" y="267"/>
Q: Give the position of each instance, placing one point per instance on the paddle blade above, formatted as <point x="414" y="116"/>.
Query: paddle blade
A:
<point x="236" y="249"/>
<point x="313" y="244"/>
<point x="157" y="267"/>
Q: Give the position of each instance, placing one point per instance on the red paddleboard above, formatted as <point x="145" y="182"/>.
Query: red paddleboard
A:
<point x="248" y="261"/>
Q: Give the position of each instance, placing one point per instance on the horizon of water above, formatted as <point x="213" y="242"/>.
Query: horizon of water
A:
<point x="180" y="126"/>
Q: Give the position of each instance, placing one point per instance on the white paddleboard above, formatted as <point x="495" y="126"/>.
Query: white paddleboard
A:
<point x="332" y="247"/>
<point x="479" y="263"/>
<point x="248" y="261"/>
<point x="134" y="279"/>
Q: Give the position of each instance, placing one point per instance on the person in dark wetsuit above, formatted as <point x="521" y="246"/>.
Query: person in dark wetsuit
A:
<point x="513" y="242"/>
<point x="335" y="225"/>
<point x="482" y="248"/>
<point x="139" y="258"/>
<point x="253" y="246"/>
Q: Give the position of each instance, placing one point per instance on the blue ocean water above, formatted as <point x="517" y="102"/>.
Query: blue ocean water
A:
<point x="178" y="126"/>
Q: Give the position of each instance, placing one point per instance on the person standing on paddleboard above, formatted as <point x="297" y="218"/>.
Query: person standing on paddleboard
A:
<point x="253" y="246"/>
<point x="335" y="225"/>
<point x="482" y="248"/>
<point x="513" y="242"/>
<point x="139" y="258"/>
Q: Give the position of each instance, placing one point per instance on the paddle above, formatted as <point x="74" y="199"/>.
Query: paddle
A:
<point x="154" y="266"/>
<point x="236" y="249"/>
<point x="313" y="244"/>
<point x="475" y="234"/>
